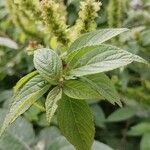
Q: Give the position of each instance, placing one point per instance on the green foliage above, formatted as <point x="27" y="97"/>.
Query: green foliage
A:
<point x="105" y="87"/>
<point x="95" y="38"/>
<point x="24" y="80"/>
<point x="58" y="142"/>
<point x="48" y="64"/>
<point x="96" y="86"/>
<point x="80" y="89"/>
<point x="145" y="145"/>
<point x="30" y="93"/>
<point x="76" y="123"/>
<point x="140" y="129"/>
<point x="17" y="139"/>
<point x="71" y="75"/>
<point x="102" y="58"/>
<point x="121" y="114"/>
<point x="8" y="43"/>
<point x="99" y="116"/>
<point x="4" y="95"/>
<point x="51" y="102"/>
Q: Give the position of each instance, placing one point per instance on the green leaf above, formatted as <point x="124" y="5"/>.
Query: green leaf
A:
<point x="31" y="92"/>
<point x="20" y="135"/>
<point x="145" y="144"/>
<point x="145" y="40"/>
<point x="42" y="121"/>
<point x="80" y="89"/>
<point x="23" y="81"/>
<point x="51" y="102"/>
<point x="76" y="122"/>
<point x="95" y="38"/>
<point x="60" y="143"/>
<point x="102" y="84"/>
<point x="93" y="101"/>
<point x="100" y="146"/>
<point x="48" y="137"/>
<point x="139" y="129"/>
<point x="32" y="114"/>
<point x="121" y="114"/>
<point x="48" y="64"/>
<point x="53" y="140"/>
<point x="5" y="95"/>
<point x="99" y="59"/>
<point x="96" y="86"/>
<point x="99" y="116"/>
<point x="8" y="43"/>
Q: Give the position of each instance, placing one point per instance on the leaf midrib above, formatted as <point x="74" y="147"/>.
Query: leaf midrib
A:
<point x="76" y="123"/>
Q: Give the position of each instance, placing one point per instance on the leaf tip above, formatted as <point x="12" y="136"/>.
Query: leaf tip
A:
<point x="141" y="60"/>
<point x="124" y="29"/>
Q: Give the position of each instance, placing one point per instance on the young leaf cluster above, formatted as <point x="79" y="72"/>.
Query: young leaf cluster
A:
<point x="70" y="82"/>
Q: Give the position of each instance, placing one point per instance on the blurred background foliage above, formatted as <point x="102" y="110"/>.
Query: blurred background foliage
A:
<point x="126" y="128"/>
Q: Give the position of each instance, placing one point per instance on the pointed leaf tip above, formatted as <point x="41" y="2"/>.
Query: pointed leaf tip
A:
<point x="51" y="102"/>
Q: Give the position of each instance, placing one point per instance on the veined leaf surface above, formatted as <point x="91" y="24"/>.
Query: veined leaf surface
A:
<point x="80" y="89"/>
<point x="51" y="102"/>
<point x="48" y="64"/>
<point x="97" y="86"/>
<point x="95" y="38"/>
<point x="20" y="135"/>
<point x="24" y="80"/>
<point x="76" y="122"/>
<point x="104" y="86"/>
<point x="32" y="91"/>
<point x="99" y="59"/>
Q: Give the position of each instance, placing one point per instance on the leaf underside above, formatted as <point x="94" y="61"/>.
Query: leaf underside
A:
<point x="51" y="102"/>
